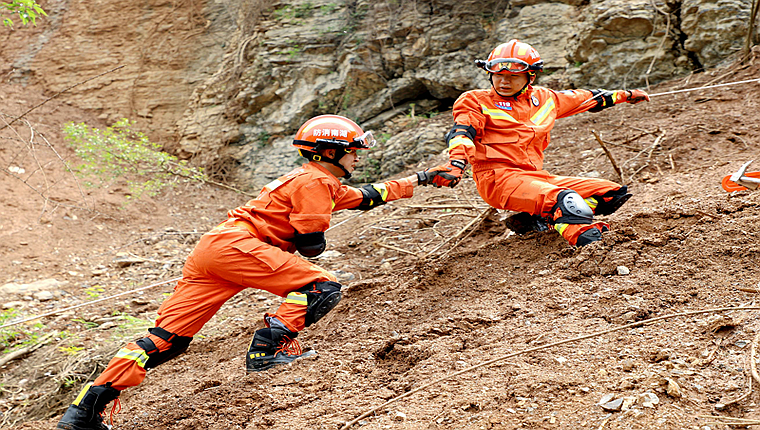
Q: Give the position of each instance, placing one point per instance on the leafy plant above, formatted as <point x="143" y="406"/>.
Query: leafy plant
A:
<point x="18" y="336"/>
<point x="94" y="292"/>
<point x="118" y="152"/>
<point x="27" y="10"/>
<point x="70" y="350"/>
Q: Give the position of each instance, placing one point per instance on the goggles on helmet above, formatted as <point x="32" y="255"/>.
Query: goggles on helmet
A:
<point x="509" y="65"/>
<point x="365" y="141"/>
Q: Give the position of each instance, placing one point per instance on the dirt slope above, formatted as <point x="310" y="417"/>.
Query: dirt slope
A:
<point x="681" y="244"/>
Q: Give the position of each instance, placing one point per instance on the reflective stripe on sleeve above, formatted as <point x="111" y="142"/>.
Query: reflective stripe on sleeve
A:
<point x="382" y="189"/>
<point x="460" y="140"/>
<point x="543" y="113"/>
<point x="138" y="355"/>
<point x="297" y="299"/>
<point x="273" y="185"/>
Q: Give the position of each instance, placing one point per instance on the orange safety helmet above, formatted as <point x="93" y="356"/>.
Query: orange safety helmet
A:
<point x="331" y="131"/>
<point x="512" y="57"/>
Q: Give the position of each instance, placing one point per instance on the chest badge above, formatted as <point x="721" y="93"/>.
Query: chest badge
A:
<point x="504" y="105"/>
<point x="534" y="99"/>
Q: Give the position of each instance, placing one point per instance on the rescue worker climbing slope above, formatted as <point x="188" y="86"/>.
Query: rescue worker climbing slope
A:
<point x="503" y="132"/>
<point x="254" y="248"/>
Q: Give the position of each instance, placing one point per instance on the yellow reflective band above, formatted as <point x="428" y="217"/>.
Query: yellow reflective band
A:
<point x="139" y="356"/>
<point x="333" y="204"/>
<point x="616" y="97"/>
<point x="297" y="299"/>
<point x="460" y="140"/>
<point x="81" y="394"/>
<point x="382" y="190"/>
<point x="497" y="114"/>
<point x="592" y="203"/>
<point x="561" y="227"/>
<point x="273" y="185"/>
<point x="542" y="113"/>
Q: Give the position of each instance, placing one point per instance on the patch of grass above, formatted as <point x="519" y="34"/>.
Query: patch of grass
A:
<point x="18" y="336"/>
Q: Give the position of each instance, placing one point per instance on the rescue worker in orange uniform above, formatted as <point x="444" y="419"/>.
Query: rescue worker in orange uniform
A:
<point x="254" y="248"/>
<point x="503" y="132"/>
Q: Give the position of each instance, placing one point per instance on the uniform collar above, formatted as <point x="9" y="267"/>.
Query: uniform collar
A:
<point x="311" y="165"/>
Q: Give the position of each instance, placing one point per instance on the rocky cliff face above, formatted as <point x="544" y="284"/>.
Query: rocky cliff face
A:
<point x="222" y="81"/>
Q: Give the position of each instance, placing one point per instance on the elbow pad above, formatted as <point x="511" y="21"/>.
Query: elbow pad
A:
<point x="310" y="244"/>
<point x="604" y="99"/>
<point x="374" y="195"/>
<point x="460" y="130"/>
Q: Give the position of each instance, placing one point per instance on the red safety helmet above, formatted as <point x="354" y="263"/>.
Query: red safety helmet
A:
<point x="512" y="57"/>
<point x="331" y="131"/>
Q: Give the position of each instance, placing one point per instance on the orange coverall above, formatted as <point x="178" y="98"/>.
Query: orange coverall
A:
<point x="252" y="249"/>
<point x="507" y="153"/>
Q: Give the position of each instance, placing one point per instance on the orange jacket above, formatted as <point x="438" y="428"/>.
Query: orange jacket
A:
<point x="515" y="131"/>
<point x="303" y="201"/>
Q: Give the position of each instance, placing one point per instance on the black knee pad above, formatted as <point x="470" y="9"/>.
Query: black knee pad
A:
<point x="179" y="344"/>
<point x="321" y="298"/>
<point x="571" y="208"/>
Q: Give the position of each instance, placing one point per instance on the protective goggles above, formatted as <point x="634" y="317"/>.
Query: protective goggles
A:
<point x="509" y="65"/>
<point x="365" y="141"/>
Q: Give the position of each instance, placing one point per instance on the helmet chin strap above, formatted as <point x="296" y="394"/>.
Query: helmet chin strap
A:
<point x="515" y="95"/>
<point x="339" y="153"/>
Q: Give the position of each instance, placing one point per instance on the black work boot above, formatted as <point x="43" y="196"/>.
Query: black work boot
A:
<point x="609" y="202"/>
<point x="85" y="413"/>
<point x="523" y="222"/>
<point x="273" y="346"/>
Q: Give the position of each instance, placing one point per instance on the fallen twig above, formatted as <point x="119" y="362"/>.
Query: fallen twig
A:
<point x="395" y="248"/>
<point x="441" y="207"/>
<point x="609" y="154"/>
<point x="477" y="220"/>
<point x="59" y="311"/>
<point x="752" y="362"/>
<point x="542" y="347"/>
<point x="662" y="42"/>
<point x="730" y="421"/>
<point x="59" y="93"/>
<point x="24" y="351"/>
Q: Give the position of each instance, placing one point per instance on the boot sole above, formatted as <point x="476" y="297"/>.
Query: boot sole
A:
<point x="272" y="364"/>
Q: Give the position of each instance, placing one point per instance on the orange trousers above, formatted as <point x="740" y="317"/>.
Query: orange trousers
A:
<point x="227" y="260"/>
<point x="534" y="192"/>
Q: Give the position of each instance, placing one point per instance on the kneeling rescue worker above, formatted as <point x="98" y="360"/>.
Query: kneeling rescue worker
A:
<point x="503" y="132"/>
<point x="254" y="248"/>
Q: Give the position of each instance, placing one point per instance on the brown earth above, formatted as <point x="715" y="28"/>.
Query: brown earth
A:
<point x="408" y="318"/>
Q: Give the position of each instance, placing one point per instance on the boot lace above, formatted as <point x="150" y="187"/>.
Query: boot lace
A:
<point x="116" y="403"/>
<point x="289" y="346"/>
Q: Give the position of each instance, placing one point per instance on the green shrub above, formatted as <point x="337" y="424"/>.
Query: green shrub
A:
<point x="121" y="153"/>
<point x="27" y="10"/>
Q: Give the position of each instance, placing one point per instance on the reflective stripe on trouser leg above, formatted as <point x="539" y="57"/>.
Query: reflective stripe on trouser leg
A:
<point x="292" y="313"/>
<point x="127" y="367"/>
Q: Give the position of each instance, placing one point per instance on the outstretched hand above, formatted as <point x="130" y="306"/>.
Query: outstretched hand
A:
<point x="449" y="174"/>
<point x="636" y="96"/>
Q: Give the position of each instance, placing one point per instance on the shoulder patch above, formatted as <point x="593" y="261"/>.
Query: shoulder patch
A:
<point x="534" y="100"/>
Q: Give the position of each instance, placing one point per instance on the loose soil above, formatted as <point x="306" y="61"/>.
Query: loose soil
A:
<point x="416" y="307"/>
